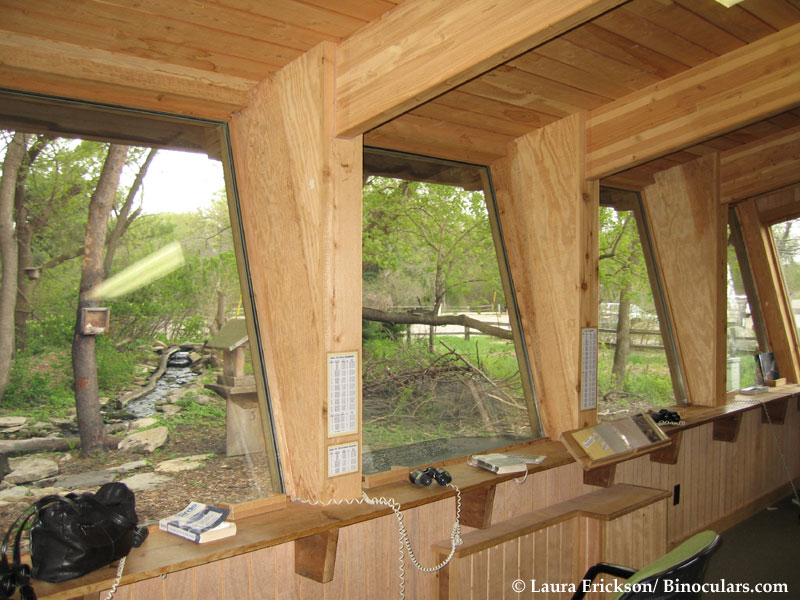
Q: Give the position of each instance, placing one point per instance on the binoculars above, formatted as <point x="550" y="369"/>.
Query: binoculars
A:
<point x="418" y="477"/>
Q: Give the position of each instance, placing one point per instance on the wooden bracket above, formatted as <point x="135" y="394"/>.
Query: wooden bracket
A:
<point x="774" y="411"/>
<point x="668" y="455"/>
<point x="601" y="476"/>
<point x="476" y="507"/>
<point x="315" y="555"/>
<point x="727" y="429"/>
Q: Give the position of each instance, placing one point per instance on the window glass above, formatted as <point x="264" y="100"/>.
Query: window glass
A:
<point x="786" y="236"/>
<point x="744" y="322"/>
<point x="635" y="367"/>
<point x="441" y="375"/>
<point x="164" y="330"/>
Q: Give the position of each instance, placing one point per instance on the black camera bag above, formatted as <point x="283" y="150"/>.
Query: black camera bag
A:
<point x="71" y="536"/>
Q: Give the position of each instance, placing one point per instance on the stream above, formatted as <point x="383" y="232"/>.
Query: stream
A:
<point x="178" y="373"/>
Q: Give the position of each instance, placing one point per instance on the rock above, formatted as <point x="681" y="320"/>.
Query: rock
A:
<point x="13" y="421"/>
<point x="15" y="494"/>
<point x="13" y="429"/>
<point x="5" y="469"/>
<point x="170" y="410"/>
<point x="145" y="441"/>
<point x="143" y="422"/>
<point x="144" y="481"/>
<point x="38" y="493"/>
<point x="184" y="463"/>
<point x="32" y="469"/>
<point x="195" y="357"/>
<point x="63" y="423"/>
<point x="129" y="466"/>
<point x="85" y="480"/>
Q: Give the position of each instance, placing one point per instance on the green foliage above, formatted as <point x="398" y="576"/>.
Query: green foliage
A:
<point x="211" y="414"/>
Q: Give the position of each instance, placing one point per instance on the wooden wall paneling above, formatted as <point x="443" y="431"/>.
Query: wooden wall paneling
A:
<point x="545" y="211"/>
<point x="179" y="585"/>
<point x="772" y="298"/>
<point x="421" y="49"/>
<point x="744" y="86"/>
<point x="300" y="201"/>
<point x="760" y="166"/>
<point x="263" y="574"/>
<point x="687" y="224"/>
<point x="236" y="577"/>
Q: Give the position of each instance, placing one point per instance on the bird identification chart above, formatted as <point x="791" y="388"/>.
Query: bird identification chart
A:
<point x="342" y="393"/>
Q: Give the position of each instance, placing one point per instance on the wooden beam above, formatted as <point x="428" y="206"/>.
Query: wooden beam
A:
<point x="300" y="202"/>
<point x="423" y="48"/>
<point x="548" y="214"/>
<point x="668" y="455"/>
<point x="760" y="166"/>
<point x="741" y="87"/>
<point x="476" y="507"/>
<point x="688" y="223"/>
<point x="39" y="65"/>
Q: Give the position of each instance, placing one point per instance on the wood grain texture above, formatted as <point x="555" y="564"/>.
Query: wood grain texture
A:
<point x="423" y="48"/>
<point x="720" y="95"/>
<point x="545" y="211"/>
<point x="761" y="166"/>
<point x="688" y="230"/>
<point x="300" y="201"/>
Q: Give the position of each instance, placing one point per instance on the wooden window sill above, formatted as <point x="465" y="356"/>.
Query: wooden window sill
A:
<point x="163" y="553"/>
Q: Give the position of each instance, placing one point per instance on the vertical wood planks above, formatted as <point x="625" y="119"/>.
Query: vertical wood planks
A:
<point x="547" y="213"/>
<point x="300" y="201"/>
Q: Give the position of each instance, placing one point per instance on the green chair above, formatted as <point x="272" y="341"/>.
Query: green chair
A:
<point x="670" y="576"/>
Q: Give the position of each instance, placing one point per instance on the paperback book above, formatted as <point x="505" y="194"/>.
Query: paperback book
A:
<point x="501" y="463"/>
<point x="199" y="523"/>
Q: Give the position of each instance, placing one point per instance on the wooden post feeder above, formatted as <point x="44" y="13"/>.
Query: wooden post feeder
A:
<point x="244" y="431"/>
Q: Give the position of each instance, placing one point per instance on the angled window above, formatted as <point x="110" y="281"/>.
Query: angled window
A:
<point x="167" y="363"/>
<point x="637" y="366"/>
<point x="445" y="372"/>
<point x="786" y="237"/>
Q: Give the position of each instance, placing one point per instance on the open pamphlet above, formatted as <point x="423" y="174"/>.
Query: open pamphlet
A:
<point x="619" y="437"/>
<point x="199" y="523"/>
<point x="501" y="463"/>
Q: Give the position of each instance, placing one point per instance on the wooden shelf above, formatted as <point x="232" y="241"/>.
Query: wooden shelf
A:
<point x="605" y="505"/>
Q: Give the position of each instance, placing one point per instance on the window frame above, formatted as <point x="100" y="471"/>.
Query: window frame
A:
<point x="632" y="200"/>
<point x="213" y="135"/>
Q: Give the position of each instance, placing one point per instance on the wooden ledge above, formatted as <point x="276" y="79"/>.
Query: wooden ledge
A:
<point x="164" y="553"/>
<point x="695" y="416"/>
<point x="605" y="505"/>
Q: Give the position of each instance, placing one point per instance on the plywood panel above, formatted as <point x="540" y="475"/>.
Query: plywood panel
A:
<point x="718" y="96"/>
<point x="545" y="211"/>
<point x="688" y="229"/>
<point x="300" y="201"/>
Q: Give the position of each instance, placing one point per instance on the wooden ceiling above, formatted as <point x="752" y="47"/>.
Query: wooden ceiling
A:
<point x="225" y="47"/>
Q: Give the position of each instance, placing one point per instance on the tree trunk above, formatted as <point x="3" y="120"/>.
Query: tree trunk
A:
<point x="623" y="347"/>
<point x="8" y="252"/>
<point x="84" y="361"/>
<point x="125" y="216"/>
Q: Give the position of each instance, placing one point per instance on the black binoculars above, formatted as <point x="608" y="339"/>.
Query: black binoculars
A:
<point x="425" y="477"/>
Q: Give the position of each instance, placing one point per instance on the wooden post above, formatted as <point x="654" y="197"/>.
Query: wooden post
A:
<point x="549" y="217"/>
<point x="688" y="224"/>
<point x="300" y="202"/>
